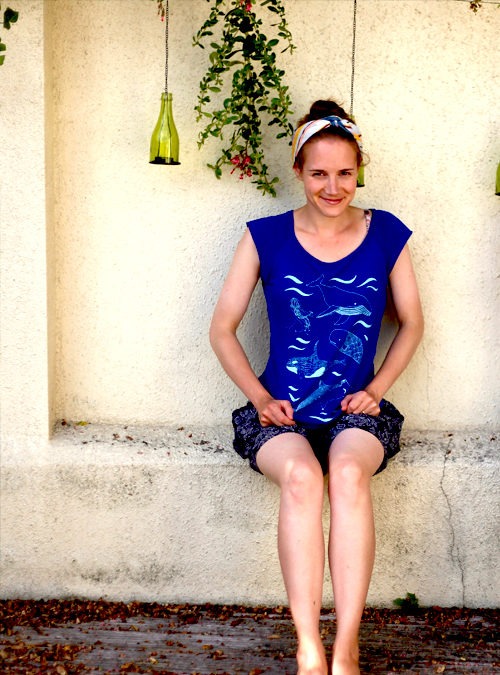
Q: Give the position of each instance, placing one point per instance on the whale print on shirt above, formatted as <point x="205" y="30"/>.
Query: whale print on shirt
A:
<point x="339" y="301"/>
<point x="307" y="366"/>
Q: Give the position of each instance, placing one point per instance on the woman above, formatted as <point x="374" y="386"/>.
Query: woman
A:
<point x="318" y="408"/>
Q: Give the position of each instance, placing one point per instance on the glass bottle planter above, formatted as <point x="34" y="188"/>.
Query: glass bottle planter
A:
<point x="361" y="177"/>
<point x="164" y="148"/>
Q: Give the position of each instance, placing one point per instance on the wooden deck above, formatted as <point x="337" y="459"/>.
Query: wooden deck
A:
<point x="185" y="640"/>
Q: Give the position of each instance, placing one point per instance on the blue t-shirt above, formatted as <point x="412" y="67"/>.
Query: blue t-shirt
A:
<point x="324" y="317"/>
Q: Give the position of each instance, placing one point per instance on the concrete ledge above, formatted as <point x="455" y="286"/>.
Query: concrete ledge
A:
<point x="173" y="515"/>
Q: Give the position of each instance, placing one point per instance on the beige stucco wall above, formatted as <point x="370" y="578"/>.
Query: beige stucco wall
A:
<point x="24" y="397"/>
<point x="140" y="250"/>
<point x="110" y="269"/>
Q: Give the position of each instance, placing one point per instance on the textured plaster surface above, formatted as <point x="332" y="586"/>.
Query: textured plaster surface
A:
<point x="141" y="251"/>
<point x="24" y="340"/>
<point x="110" y="269"/>
<point x="172" y="514"/>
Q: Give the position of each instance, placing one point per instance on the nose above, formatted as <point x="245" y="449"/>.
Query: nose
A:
<point x="332" y="185"/>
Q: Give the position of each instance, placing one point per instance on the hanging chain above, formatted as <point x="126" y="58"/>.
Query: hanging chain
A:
<point x="166" y="46"/>
<point x="353" y="55"/>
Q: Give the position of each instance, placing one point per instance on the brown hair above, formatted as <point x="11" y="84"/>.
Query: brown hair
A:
<point x="325" y="108"/>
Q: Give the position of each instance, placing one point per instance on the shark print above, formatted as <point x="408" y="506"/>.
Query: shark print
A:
<point x="322" y="389"/>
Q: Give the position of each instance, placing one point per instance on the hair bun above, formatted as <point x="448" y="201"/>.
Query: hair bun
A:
<point x="324" y="108"/>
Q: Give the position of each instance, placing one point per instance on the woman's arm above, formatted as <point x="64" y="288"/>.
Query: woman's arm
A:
<point x="406" y="299"/>
<point x="229" y="311"/>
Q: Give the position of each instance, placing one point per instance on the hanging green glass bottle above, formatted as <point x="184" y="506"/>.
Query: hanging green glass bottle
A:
<point x="497" y="190"/>
<point x="164" y="148"/>
<point x="361" y="177"/>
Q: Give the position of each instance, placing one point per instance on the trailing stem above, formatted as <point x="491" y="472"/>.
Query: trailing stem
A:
<point x="257" y="94"/>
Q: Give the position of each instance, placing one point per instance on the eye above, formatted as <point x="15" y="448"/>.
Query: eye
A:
<point x="346" y="172"/>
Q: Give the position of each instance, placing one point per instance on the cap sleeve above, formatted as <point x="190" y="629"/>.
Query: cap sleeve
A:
<point x="267" y="233"/>
<point x="395" y="235"/>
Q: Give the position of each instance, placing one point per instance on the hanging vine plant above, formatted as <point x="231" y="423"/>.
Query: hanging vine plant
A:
<point x="257" y="95"/>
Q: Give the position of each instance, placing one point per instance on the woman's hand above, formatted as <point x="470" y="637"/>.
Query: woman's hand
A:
<point x="275" y="413"/>
<point x="362" y="402"/>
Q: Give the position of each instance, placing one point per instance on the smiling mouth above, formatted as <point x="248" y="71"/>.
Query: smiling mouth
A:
<point x="331" y="200"/>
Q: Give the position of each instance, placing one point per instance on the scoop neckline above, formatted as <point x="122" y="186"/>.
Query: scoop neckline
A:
<point x="340" y="260"/>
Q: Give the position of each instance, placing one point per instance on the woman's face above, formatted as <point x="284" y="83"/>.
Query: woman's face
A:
<point x="329" y="174"/>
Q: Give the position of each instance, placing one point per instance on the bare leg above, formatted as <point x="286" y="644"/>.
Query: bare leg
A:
<point x="354" y="457"/>
<point x="289" y="461"/>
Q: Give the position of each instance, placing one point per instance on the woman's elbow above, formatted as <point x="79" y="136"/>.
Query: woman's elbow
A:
<point x="213" y="334"/>
<point x="420" y="323"/>
<point x="218" y="333"/>
<point x="416" y="324"/>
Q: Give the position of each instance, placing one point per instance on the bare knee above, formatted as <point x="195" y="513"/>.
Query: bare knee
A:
<point x="354" y="457"/>
<point x="302" y="480"/>
<point x="347" y="477"/>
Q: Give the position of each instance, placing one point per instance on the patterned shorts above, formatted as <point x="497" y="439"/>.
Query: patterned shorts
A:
<point x="250" y="435"/>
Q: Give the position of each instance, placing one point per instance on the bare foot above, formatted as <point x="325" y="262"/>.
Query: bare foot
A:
<point x="311" y="659"/>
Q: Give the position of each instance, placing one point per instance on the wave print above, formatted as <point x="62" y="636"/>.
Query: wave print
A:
<point x="366" y="325"/>
<point x="297" y="281"/>
<point x="302" y="342"/>
<point x="345" y="281"/>
<point x="297" y="290"/>
<point x="372" y="288"/>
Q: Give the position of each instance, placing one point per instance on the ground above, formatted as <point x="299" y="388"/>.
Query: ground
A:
<point x="62" y="637"/>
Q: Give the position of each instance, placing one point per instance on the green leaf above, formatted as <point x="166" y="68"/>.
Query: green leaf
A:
<point x="9" y="17"/>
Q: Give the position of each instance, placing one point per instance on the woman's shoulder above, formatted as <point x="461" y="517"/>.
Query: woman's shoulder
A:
<point x="271" y="221"/>
<point x="388" y="223"/>
<point x="389" y="234"/>
<point x="265" y="230"/>
<point x="382" y="214"/>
